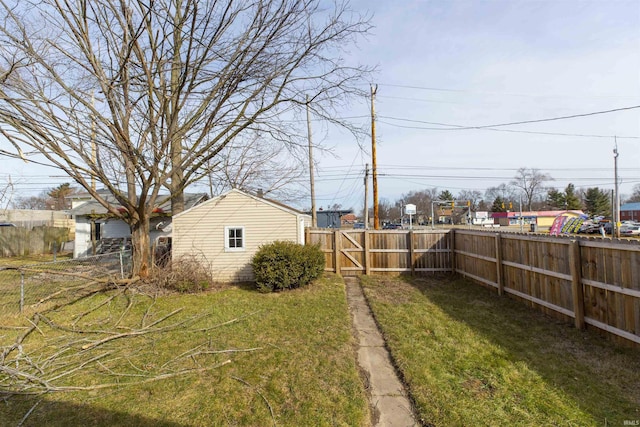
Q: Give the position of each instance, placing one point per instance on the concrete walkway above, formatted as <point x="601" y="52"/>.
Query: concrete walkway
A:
<point x="388" y="398"/>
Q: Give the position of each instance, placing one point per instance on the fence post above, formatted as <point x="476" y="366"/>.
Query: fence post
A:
<point x="576" y="283"/>
<point x="337" y="240"/>
<point x="21" y="290"/>
<point x="367" y="247"/>
<point x="499" y="271"/>
<point x="411" y="251"/>
<point x="452" y="244"/>
<point x="121" y="264"/>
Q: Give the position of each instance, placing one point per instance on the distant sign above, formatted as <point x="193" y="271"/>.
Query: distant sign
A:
<point x="565" y="225"/>
<point x="556" y="227"/>
<point x="482" y="214"/>
<point x="410" y="209"/>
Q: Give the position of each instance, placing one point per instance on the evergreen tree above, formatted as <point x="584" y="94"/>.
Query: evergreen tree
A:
<point x="445" y="195"/>
<point x="597" y="202"/>
<point x="58" y="196"/>
<point x="556" y="199"/>
<point x="572" y="200"/>
<point x="498" y="205"/>
<point x="568" y="199"/>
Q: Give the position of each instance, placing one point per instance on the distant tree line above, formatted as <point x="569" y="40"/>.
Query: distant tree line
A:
<point x="529" y="188"/>
<point x="55" y="198"/>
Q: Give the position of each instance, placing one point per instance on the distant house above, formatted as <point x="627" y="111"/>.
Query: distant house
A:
<point x="630" y="212"/>
<point x="98" y="231"/>
<point x="444" y="215"/>
<point x="226" y="231"/>
<point x="333" y="218"/>
<point x="348" y="219"/>
<point x="542" y="219"/>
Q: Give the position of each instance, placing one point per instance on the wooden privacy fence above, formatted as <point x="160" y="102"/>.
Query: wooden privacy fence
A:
<point x="591" y="281"/>
<point x="351" y="252"/>
<point x="19" y="241"/>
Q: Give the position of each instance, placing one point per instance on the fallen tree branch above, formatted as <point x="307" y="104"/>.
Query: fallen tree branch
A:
<point x="102" y="304"/>
<point x="51" y="388"/>
<point x="88" y="278"/>
<point x="29" y="413"/>
<point x="273" y="418"/>
<point x="60" y="362"/>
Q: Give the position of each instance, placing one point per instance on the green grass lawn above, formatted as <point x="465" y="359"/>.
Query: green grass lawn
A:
<point x="467" y="356"/>
<point x="284" y="359"/>
<point x="470" y="357"/>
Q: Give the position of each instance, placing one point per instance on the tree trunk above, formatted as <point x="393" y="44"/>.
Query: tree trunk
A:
<point x="141" y="246"/>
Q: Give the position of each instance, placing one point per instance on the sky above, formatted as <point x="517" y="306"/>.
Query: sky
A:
<point x="480" y="63"/>
<point x="448" y="64"/>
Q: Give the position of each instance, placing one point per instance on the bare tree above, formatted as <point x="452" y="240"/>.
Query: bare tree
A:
<point x="257" y="165"/>
<point x="473" y="196"/>
<point x="422" y="199"/>
<point x="531" y="182"/>
<point x="142" y="96"/>
<point x="32" y="202"/>
<point x="505" y="192"/>
<point x="635" y="195"/>
<point x="6" y="194"/>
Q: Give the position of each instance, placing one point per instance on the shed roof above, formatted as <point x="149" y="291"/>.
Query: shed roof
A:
<point x="261" y="199"/>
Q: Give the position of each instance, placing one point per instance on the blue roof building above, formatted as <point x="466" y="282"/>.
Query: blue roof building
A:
<point x="630" y="212"/>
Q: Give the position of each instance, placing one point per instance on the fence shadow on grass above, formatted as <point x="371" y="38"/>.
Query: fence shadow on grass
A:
<point x="54" y="413"/>
<point x="589" y="369"/>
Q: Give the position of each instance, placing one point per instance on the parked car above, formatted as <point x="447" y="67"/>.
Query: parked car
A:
<point x="589" y="228"/>
<point x="594" y="228"/>
<point x="358" y="225"/>
<point x="391" y="226"/>
<point x="633" y="230"/>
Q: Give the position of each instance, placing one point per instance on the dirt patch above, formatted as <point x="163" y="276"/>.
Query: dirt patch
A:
<point x="478" y="387"/>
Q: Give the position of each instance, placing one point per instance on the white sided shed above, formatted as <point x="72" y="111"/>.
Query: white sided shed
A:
<point x="226" y="231"/>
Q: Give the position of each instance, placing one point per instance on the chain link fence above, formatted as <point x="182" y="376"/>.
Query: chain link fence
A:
<point x="34" y="286"/>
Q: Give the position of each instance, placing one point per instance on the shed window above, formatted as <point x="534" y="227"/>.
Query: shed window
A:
<point x="234" y="238"/>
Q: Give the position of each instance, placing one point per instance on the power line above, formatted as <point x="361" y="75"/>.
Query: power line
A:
<point x="524" y="95"/>
<point x="573" y="116"/>
<point x="336" y="170"/>
<point x="461" y="127"/>
<point x="493" y="126"/>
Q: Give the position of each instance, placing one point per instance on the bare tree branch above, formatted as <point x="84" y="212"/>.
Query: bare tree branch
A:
<point x="30" y="368"/>
<point x="145" y="96"/>
<point x="531" y="182"/>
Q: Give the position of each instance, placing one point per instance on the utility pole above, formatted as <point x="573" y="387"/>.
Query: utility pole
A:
<point x="432" y="216"/>
<point x="521" y="221"/>
<point x="366" y="197"/>
<point x="376" y="218"/>
<point x="613" y="213"/>
<point x="314" y="216"/>
<point x="616" y="192"/>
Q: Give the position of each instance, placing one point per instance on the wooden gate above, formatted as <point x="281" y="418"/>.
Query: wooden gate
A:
<point x="352" y="252"/>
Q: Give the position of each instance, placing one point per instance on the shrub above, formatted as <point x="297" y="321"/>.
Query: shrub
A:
<point x="286" y="265"/>
<point x="186" y="275"/>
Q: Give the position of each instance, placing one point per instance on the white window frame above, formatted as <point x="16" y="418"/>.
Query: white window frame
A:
<point x="227" y="248"/>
